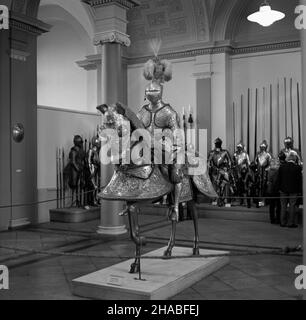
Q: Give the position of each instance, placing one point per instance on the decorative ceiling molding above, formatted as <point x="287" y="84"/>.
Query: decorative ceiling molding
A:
<point x="128" y="4"/>
<point x="93" y="61"/>
<point x="267" y="47"/>
<point x="28" y="24"/>
<point x="225" y="48"/>
<point x="26" y="7"/>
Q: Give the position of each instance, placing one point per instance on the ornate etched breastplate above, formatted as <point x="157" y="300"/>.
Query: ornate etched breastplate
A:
<point x="157" y="119"/>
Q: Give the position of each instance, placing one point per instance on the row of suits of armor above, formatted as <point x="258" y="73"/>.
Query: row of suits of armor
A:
<point x="82" y="173"/>
<point x="236" y="177"/>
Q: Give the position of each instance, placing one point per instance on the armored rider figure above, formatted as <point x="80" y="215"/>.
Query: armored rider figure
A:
<point x="241" y="163"/>
<point x="219" y="166"/>
<point x="263" y="161"/>
<point x="159" y="115"/>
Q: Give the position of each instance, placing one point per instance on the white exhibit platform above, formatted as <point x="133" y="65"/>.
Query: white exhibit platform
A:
<point x="163" y="278"/>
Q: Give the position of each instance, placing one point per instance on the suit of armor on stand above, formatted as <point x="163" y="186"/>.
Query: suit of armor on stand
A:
<point x="241" y="162"/>
<point x="74" y="171"/>
<point x="93" y="159"/>
<point x="262" y="160"/>
<point x="220" y="172"/>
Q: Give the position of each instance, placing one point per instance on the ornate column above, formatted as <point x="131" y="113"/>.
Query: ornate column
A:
<point x="110" y="37"/>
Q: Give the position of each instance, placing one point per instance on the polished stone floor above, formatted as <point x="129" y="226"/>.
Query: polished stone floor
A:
<point x="48" y="276"/>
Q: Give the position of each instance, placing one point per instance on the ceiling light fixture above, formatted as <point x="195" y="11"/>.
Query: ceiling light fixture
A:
<point x="266" y="16"/>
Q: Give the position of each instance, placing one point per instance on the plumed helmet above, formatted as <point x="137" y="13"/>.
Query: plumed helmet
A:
<point x="157" y="70"/>
<point x="77" y="140"/>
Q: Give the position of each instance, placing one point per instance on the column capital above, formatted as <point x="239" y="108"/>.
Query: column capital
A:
<point x="112" y="36"/>
<point x="111" y="20"/>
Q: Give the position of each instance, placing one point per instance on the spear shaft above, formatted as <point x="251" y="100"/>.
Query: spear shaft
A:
<point x="57" y="179"/>
<point x="63" y="166"/>
<point x="271" y="121"/>
<point x="285" y="92"/>
<point x="299" y="117"/>
<point x="291" y="106"/>
<point x="255" y="138"/>
<point x="234" y="131"/>
<point x="248" y="124"/>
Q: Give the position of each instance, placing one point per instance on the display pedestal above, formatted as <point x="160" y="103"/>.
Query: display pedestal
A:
<point x="74" y="215"/>
<point x="162" y="278"/>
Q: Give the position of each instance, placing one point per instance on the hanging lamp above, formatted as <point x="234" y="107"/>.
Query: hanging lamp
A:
<point x="265" y="16"/>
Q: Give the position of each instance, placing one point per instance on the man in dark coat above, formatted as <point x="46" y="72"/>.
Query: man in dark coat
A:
<point x="272" y="191"/>
<point x="289" y="184"/>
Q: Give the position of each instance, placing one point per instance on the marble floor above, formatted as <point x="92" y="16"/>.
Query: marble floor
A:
<point x="46" y="275"/>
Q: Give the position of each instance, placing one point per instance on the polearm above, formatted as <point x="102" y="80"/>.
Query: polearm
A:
<point x="241" y="118"/>
<point x="234" y="131"/>
<point x="248" y="125"/>
<point x="291" y="106"/>
<point x="63" y="166"/>
<point x="185" y="129"/>
<point x="264" y="112"/>
<point x="255" y="142"/>
<point x="299" y="119"/>
<point x="57" y="180"/>
<point x="278" y="116"/>
<point x="61" y="178"/>
<point x="271" y="121"/>
<point x="285" y="97"/>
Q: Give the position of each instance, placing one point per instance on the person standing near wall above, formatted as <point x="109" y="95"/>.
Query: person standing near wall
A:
<point x="289" y="184"/>
<point x="272" y="191"/>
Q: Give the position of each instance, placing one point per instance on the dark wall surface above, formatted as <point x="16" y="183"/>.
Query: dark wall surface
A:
<point x="18" y="104"/>
<point x="5" y="186"/>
